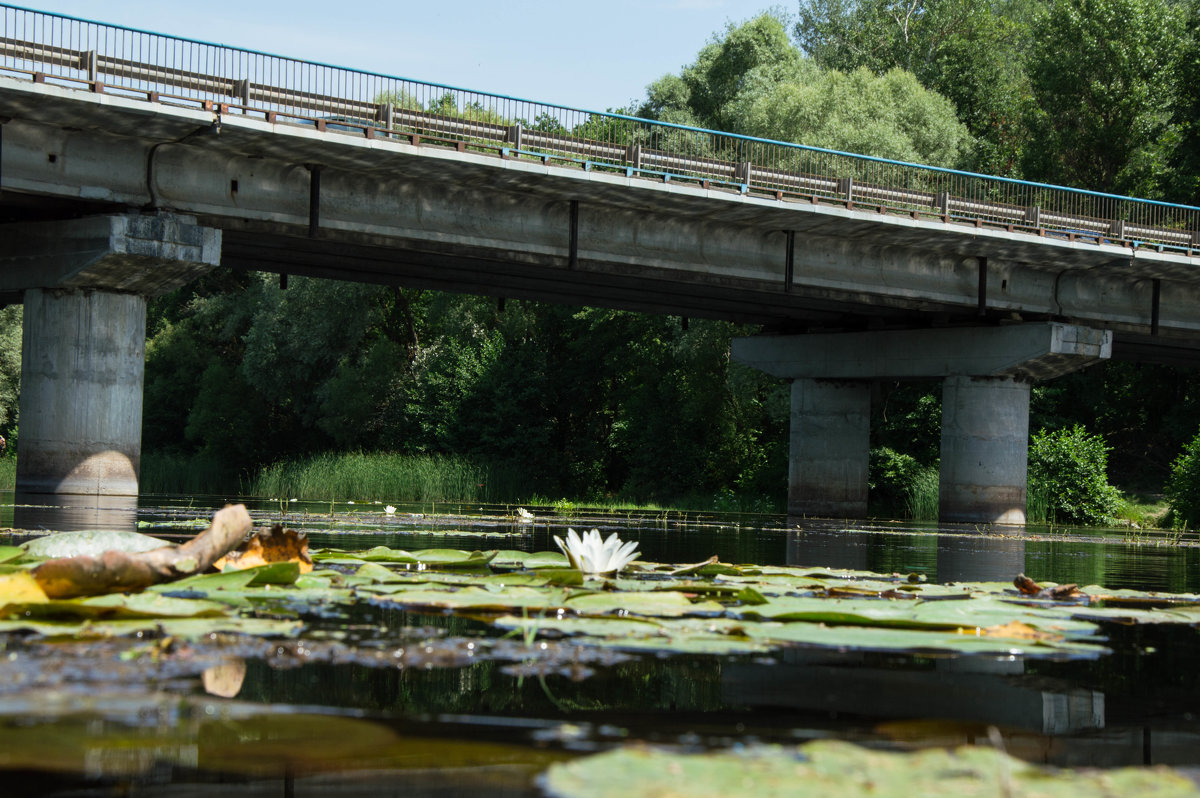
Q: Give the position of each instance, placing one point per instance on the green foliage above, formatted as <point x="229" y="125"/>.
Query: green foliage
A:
<point x="1183" y="487"/>
<point x="1069" y="467"/>
<point x="755" y="82"/>
<point x="10" y="371"/>
<point x="1103" y="74"/>
<point x="901" y="486"/>
<point x="970" y="51"/>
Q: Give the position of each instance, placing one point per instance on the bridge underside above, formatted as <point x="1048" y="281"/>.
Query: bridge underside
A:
<point x="294" y="200"/>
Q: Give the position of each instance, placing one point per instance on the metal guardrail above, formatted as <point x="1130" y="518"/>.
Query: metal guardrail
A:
<point x="104" y="58"/>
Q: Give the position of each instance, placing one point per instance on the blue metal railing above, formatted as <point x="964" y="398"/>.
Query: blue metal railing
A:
<point x="105" y="58"/>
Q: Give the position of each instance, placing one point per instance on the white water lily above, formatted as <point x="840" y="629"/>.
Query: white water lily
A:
<point x="524" y="516"/>
<point x="389" y="509"/>
<point x="592" y="555"/>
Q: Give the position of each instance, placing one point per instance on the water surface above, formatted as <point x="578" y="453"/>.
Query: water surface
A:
<point x="95" y="716"/>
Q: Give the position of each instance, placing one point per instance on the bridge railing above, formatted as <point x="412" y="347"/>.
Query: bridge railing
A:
<point x="105" y="58"/>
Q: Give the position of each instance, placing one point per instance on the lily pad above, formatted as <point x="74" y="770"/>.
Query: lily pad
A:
<point x="116" y="605"/>
<point x="832" y="768"/>
<point x="654" y="604"/>
<point x="476" y="598"/>
<point x="91" y="543"/>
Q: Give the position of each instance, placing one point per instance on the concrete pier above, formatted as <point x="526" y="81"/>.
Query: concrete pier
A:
<point x="85" y="285"/>
<point x="82" y="361"/>
<point x="984" y="454"/>
<point x="828" y="449"/>
<point x="985" y="415"/>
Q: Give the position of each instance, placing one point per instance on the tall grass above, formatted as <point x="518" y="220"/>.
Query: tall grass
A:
<point x="921" y="495"/>
<point x="1037" y="504"/>
<point x="8" y="473"/>
<point x="386" y="477"/>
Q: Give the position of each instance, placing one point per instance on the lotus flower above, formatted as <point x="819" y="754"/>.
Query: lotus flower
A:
<point x="389" y="509"/>
<point x="593" y="556"/>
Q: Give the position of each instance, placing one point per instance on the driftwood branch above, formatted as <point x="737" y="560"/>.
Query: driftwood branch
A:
<point x="118" y="571"/>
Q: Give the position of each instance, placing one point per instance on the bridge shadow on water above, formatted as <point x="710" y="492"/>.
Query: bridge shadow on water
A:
<point x="86" y="720"/>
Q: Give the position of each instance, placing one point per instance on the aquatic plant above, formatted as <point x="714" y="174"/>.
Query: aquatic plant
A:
<point x="592" y="555"/>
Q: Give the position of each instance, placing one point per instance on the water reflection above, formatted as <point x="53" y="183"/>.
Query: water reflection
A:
<point x="1137" y="705"/>
<point x="47" y="512"/>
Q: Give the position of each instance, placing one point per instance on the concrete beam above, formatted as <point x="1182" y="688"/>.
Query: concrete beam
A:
<point x="656" y="237"/>
<point x="147" y="255"/>
<point x="1026" y="351"/>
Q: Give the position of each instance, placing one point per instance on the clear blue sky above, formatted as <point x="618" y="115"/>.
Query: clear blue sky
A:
<point x="592" y="55"/>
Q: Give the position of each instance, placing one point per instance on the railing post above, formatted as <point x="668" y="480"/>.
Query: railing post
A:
<point x="943" y="205"/>
<point x="1033" y="215"/>
<point x="513" y="136"/>
<point x="633" y="156"/>
<point x="741" y="173"/>
<point x="1116" y="229"/>
<point x="1196" y="239"/>
<point x="89" y="65"/>
<point x="845" y="186"/>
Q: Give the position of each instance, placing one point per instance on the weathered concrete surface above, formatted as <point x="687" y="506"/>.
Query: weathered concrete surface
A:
<point x="85" y="284"/>
<point x="471" y="221"/>
<point x="985" y="408"/>
<point x="829" y="448"/>
<point x="125" y="253"/>
<point x="1030" y="351"/>
<point x="81" y="392"/>
<point x="984" y="454"/>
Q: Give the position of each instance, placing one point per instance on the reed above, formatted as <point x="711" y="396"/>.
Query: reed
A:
<point x="385" y="477"/>
<point x="921" y="495"/>
<point x="8" y="473"/>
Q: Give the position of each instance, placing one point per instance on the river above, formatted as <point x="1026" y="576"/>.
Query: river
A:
<point x="85" y="719"/>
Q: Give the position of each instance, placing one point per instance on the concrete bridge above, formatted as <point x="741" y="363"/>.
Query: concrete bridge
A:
<point x="124" y="175"/>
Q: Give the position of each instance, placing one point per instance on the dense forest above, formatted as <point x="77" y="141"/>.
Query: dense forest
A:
<point x="592" y="403"/>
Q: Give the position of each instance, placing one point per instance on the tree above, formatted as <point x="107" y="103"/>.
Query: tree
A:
<point x="754" y="82"/>
<point x="1103" y="75"/>
<point x="1184" y="185"/>
<point x="970" y="51"/>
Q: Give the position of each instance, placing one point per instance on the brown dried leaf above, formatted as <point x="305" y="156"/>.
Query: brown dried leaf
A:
<point x="267" y="546"/>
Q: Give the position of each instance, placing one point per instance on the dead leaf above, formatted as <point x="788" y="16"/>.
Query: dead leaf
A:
<point x="269" y="546"/>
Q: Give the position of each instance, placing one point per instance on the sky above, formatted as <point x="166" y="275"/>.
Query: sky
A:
<point x="594" y="55"/>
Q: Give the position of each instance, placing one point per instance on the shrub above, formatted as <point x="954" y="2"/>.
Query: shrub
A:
<point x="1068" y="467"/>
<point x="1183" y="486"/>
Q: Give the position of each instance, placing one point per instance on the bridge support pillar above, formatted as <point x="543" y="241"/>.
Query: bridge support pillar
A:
<point x="985" y="440"/>
<point x="81" y="393"/>
<point x="985" y="408"/>
<point x="830" y="441"/>
<point x="85" y="284"/>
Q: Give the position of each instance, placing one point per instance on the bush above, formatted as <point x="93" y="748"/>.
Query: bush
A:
<point x="1068" y="472"/>
<point x="1183" y="486"/>
<point x="900" y="485"/>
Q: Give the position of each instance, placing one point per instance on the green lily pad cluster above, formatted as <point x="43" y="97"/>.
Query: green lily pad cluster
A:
<point x="707" y="608"/>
